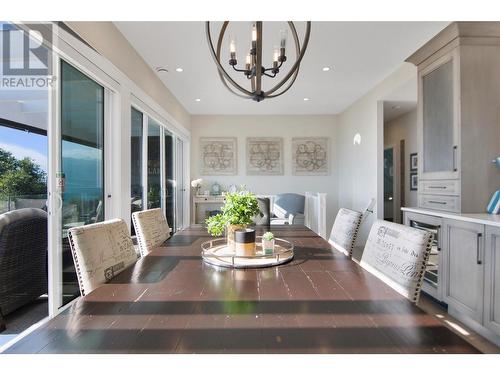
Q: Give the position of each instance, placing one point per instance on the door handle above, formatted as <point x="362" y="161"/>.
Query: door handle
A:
<point x="437" y="202"/>
<point x="478" y="259"/>
<point x="454" y="158"/>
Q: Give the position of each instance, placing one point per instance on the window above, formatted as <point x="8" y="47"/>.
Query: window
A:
<point x="82" y="162"/>
<point x="136" y="188"/>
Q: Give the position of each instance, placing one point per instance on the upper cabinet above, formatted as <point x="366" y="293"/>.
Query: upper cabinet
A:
<point x="439" y="130"/>
<point x="458" y="120"/>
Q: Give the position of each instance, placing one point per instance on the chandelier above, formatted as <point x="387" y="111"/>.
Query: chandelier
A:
<point x="254" y="69"/>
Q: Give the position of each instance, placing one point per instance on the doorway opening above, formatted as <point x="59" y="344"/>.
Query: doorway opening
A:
<point x="400" y="148"/>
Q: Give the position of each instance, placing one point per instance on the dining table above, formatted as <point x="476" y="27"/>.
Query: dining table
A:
<point x="171" y="301"/>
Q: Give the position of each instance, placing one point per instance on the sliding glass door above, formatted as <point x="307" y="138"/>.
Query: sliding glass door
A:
<point x="169" y="206"/>
<point x="156" y="167"/>
<point x="154" y="180"/>
<point x="136" y="148"/>
<point x="82" y="163"/>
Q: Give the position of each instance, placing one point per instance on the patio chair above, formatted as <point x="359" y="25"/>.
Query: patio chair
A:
<point x="397" y="255"/>
<point x="151" y="228"/>
<point x="100" y="252"/>
<point x="345" y="230"/>
<point x="23" y="257"/>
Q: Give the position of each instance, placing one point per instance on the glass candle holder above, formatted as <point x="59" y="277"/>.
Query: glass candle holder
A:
<point x="268" y="246"/>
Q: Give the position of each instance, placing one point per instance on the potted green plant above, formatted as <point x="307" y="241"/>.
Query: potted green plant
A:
<point x="237" y="213"/>
<point x="268" y="243"/>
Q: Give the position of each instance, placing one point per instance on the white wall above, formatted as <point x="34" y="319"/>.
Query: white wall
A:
<point x="404" y="127"/>
<point x="271" y="126"/>
<point x="360" y="167"/>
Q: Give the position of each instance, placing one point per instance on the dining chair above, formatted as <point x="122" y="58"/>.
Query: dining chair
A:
<point x="345" y="230"/>
<point x="151" y="228"/>
<point x="397" y="255"/>
<point x="100" y="252"/>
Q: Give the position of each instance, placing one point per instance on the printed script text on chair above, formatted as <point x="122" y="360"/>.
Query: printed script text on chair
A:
<point x="100" y="252"/>
<point x="345" y="230"/>
<point x="151" y="228"/>
<point x="23" y="257"/>
<point x="397" y="255"/>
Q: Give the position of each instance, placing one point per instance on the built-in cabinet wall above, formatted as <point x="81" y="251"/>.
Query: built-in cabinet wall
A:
<point x="469" y="268"/>
<point x="457" y="124"/>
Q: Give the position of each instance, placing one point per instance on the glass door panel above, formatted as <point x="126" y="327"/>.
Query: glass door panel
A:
<point x="136" y="188"/>
<point x="169" y="179"/>
<point x="154" y="164"/>
<point x="82" y="162"/>
<point x="179" y="178"/>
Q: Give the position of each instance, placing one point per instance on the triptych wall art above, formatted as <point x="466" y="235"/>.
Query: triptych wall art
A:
<point x="265" y="156"/>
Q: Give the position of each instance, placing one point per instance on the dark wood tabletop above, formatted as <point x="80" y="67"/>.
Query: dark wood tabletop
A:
<point x="171" y="302"/>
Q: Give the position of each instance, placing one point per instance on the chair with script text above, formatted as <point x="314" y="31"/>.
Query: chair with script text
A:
<point x="152" y="229"/>
<point x="100" y="252"/>
<point x="397" y="255"/>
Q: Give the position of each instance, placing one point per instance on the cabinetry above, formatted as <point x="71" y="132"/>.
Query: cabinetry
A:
<point x="202" y="205"/>
<point x="469" y="266"/>
<point x="458" y="128"/>
<point x="464" y="268"/>
<point x="492" y="280"/>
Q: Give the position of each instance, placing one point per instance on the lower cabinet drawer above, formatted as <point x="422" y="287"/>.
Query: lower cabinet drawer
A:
<point x="446" y="187"/>
<point x="439" y="202"/>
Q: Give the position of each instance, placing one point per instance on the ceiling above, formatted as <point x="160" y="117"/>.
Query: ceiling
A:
<point x="360" y="55"/>
<point x="395" y="109"/>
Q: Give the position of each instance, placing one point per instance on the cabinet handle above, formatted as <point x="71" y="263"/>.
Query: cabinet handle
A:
<point x="454" y="158"/>
<point x="478" y="259"/>
<point x="437" y="202"/>
<point x="437" y="187"/>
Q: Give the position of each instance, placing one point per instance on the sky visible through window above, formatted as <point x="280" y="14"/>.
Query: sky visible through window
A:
<point x="25" y="144"/>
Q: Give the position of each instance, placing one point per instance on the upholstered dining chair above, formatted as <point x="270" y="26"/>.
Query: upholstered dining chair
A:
<point x="151" y="228"/>
<point x="288" y="209"/>
<point x="100" y="252"/>
<point x="397" y="255"/>
<point x="345" y="230"/>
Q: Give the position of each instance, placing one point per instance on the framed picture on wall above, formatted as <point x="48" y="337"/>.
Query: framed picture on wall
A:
<point x="413" y="162"/>
<point x="413" y="181"/>
<point x="218" y="156"/>
<point x="310" y="156"/>
<point x="265" y="156"/>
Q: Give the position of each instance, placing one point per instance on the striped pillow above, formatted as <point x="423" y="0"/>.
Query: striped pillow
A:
<point x="494" y="205"/>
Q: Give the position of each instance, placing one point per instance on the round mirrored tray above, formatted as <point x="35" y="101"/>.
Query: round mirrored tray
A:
<point x="218" y="253"/>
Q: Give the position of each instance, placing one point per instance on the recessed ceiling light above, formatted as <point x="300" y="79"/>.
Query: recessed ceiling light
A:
<point x="326" y="68"/>
<point x="306" y="99"/>
<point x="161" y="69"/>
<point x="197" y="100"/>
<point x="180" y="70"/>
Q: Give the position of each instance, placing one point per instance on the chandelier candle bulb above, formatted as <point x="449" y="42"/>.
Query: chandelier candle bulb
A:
<point x="276" y="54"/>
<point x="248" y="62"/>
<point x="254" y="37"/>
<point x="232" y="50"/>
